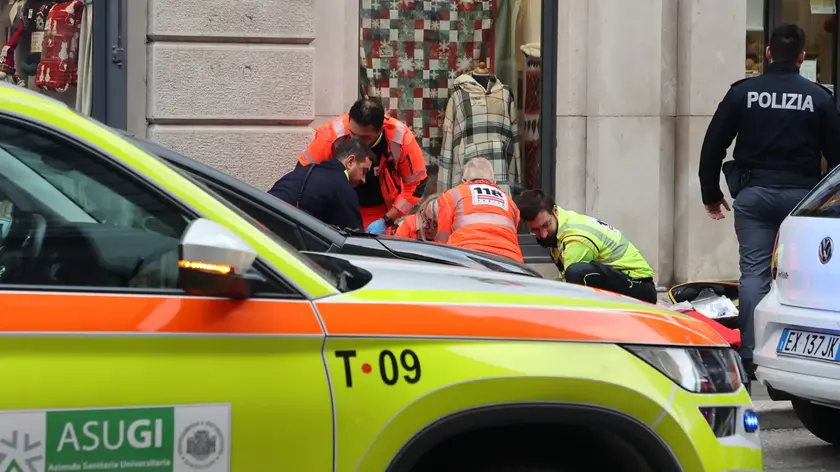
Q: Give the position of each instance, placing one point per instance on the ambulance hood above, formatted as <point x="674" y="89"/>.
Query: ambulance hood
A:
<point x="395" y="274"/>
<point x="486" y="304"/>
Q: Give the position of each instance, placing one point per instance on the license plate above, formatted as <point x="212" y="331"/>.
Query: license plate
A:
<point x="809" y="344"/>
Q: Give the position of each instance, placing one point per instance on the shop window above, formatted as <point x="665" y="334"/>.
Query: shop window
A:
<point x="754" y="63"/>
<point x="464" y="76"/>
<point x="48" y="49"/>
<point x="819" y="20"/>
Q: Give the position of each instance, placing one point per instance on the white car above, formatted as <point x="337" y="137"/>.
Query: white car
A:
<point x="797" y="324"/>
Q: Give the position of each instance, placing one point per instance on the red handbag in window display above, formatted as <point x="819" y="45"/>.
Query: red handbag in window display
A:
<point x="530" y="130"/>
<point x="58" y="68"/>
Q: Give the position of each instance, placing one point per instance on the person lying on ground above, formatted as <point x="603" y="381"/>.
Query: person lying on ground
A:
<point x="422" y="223"/>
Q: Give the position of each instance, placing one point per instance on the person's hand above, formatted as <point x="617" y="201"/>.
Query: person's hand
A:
<point x="377" y="227"/>
<point x="714" y="209"/>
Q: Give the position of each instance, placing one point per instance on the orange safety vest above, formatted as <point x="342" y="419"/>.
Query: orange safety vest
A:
<point x="408" y="228"/>
<point x="479" y="215"/>
<point x="400" y="172"/>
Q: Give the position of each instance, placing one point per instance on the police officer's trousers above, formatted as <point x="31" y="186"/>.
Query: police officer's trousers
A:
<point x="759" y="211"/>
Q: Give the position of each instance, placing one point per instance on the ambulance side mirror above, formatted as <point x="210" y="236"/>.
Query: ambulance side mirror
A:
<point x="214" y="261"/>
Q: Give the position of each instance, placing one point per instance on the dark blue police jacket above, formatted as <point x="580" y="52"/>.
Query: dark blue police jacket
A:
<point x="784" y="124"/>
<point x="322" y="190"/>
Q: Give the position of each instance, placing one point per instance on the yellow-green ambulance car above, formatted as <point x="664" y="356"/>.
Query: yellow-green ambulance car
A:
<point x="148" y="325"/>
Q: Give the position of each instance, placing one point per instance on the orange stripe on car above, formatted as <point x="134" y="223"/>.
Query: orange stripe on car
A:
<point x="104" y="313"/>
<point x="529" y="323"/>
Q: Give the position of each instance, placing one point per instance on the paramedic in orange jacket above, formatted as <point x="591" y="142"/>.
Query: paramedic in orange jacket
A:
<point x="394" y="187"/>
<point x="421" y="225"/>
<point x="478" y="215"/>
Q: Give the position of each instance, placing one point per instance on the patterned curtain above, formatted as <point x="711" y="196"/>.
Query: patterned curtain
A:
<point x="411" y="52"/>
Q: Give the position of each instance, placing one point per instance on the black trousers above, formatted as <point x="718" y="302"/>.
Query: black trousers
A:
<point x="596" y="275"/>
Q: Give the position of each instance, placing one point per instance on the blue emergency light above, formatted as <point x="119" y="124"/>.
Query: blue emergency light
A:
<point x="750" y="421"/>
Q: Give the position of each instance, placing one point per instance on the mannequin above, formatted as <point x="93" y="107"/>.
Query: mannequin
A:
<point x="480" y="121"/>
<point x="481" y="74"/>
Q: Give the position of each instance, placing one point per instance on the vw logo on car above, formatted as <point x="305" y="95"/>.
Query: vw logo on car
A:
<point x="826" y="250"/>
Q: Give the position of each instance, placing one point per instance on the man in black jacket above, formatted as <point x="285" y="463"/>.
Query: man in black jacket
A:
<point x="325" y="190"/>
<point x="784" y="123"/>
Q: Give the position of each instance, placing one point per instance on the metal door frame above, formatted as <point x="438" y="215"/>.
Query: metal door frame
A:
<point x="773" y="18"/>
<point x="110" y="91"/>
<point x="531" y="251"/>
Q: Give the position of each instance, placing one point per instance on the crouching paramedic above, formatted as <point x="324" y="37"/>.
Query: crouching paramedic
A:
<point x="325" y="190"/>
<point x="587" y="250"/>
<point x="390" y="189"/>
<point x="478" y="215"/>
<point x="422" y="224"/>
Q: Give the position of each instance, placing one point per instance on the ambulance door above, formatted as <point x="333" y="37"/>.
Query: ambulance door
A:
<point x="106" y="364"/>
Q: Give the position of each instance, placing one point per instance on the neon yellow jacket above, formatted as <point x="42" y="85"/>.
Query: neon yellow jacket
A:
<point x="581" y="238"/>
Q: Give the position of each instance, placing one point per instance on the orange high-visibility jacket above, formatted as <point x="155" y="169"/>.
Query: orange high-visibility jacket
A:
<point x="408" y="228"/>
<point x="401" y="173"/>
<point x="478" y="215"/>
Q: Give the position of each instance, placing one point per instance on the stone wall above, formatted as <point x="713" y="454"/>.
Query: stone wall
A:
<point x="256" y="84"/>
<point x="637" y="85"/>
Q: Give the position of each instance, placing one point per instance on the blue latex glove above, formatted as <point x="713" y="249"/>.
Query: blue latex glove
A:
<point x="377" y="227"/>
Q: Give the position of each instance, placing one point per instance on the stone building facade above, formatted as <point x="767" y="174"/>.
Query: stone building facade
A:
<point x="637" y="83"/>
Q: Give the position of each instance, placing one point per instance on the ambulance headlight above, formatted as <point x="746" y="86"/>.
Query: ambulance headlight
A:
<point x="698" y="370"/>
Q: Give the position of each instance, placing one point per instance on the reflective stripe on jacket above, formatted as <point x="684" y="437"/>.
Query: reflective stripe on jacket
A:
<point x="607" y="243"/>
<point x="479" y="215"/>
<point x="402" y="174"/>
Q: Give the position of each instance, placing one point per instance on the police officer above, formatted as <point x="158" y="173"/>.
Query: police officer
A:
<point x="783" y="123"/>
<point x="326" y="190"/>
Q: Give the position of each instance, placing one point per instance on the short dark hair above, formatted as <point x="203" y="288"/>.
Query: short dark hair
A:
<point x="367" y="112"/>
<point x="353" y="147"/>
<point x="786" y="43"/>
<point x="532" y="202"/>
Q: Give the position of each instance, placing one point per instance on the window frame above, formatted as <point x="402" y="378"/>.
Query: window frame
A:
<point x="532" y="252"/>
<point x="110" y="76"/>
<point x="215" y="180"/>
<point x="773" y="18"/>
<point x="292" y="292"/>
<point x="831" y="180"/>
<point x="243" y="200"/>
